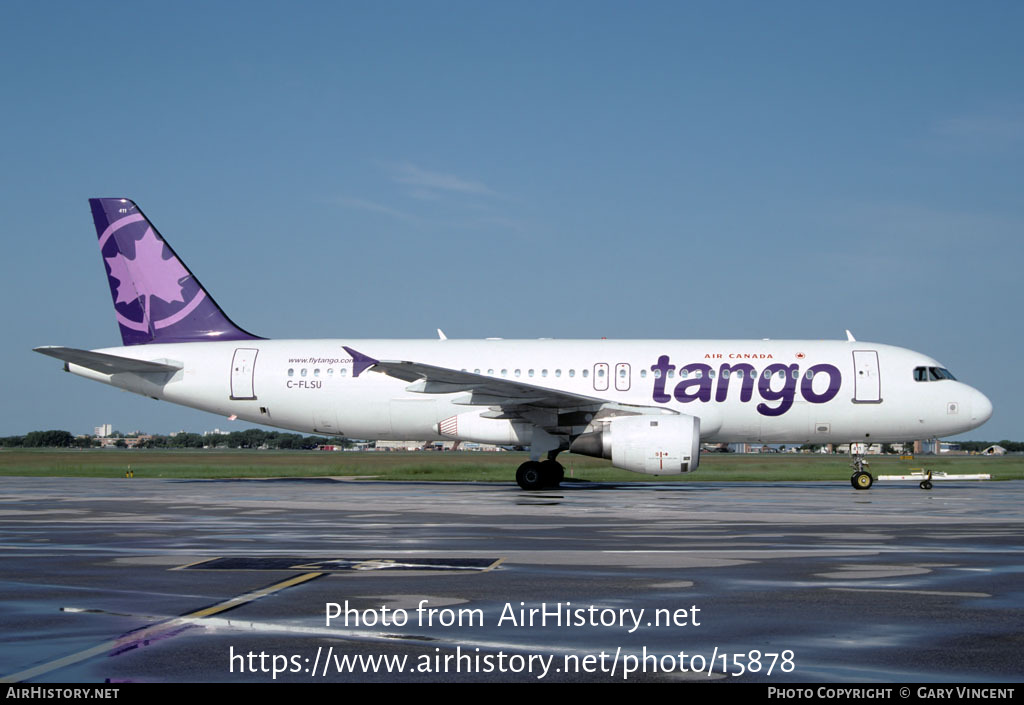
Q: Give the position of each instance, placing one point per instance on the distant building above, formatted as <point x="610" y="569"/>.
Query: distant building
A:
<point x="935" y="447"/>
<point x="994" y="450"/>
<point x="862" y="448"/>
<point x="400" y="445"/>
<point x="103" y="431"/>
<point x="131" y="442"/>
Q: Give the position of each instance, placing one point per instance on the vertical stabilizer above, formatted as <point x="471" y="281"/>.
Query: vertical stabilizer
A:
<point x="156" y="298"/>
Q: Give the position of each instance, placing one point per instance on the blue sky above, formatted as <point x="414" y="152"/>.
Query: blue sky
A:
<point x="527" y="169"/>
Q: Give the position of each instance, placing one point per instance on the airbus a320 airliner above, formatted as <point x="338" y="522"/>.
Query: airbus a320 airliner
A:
<point x="647" y="405"/>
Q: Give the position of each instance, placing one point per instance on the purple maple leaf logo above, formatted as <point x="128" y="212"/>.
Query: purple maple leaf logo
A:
<point x="148" y="275"/>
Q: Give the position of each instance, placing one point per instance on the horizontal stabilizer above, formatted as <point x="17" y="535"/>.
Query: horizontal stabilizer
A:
<point x="104" y="363"/>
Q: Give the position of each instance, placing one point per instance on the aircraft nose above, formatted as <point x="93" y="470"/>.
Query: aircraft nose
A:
<point x="981" y="408"/>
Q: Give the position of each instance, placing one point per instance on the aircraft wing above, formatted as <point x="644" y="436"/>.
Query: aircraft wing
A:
<point x="484" y="390"/>
<point x="105" y="363"/>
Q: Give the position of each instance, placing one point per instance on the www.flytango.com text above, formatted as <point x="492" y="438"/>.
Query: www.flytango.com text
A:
<point x="614" y="664"/>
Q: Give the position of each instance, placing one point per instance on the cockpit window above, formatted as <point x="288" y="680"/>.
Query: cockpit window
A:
<point x="932" y="374"/>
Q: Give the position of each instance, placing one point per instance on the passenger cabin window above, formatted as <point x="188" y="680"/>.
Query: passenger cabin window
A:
<point x="586" y="373"/>
<point x="291" y="371"/>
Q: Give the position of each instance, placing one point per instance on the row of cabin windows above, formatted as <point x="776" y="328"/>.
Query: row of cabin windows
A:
<point x="698" y="374"/>
<point x="533" y="373"/>
<point x="683" y="374"/>
<point x="342" y="371"/>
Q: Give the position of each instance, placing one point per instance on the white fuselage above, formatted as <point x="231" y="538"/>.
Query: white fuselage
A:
<point x="815" y="391"/>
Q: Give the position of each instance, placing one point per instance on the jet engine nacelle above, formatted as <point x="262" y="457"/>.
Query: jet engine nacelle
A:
<point x="656" y="445"/>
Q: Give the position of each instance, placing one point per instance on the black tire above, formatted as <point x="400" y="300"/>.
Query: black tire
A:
<point x="926" y="484"/>
<point x="530" y="476"/>
<point x="552" y="472"/>
<point x="862" y="480"/>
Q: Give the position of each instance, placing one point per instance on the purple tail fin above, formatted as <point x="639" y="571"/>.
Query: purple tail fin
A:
<point x="156" y="297"/>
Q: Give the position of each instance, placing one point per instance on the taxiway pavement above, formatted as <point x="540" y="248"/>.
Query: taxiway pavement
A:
<point x="176" y="580"/>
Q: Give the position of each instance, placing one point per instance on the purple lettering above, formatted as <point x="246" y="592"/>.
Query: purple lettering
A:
<point x="745" y="371"/>
<point x="835" y="379"/>
<point x="660" y="371"/>
<point x="696" y="384"/>
<point x="702" y="383"/>
<point x="784" y="396"/>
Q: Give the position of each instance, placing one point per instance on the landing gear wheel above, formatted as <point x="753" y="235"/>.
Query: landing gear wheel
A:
<point x="861" y="480"/>
<point x="926" y="484"/>
<point x="552" y="473"/>
<point x="530" y="475"/>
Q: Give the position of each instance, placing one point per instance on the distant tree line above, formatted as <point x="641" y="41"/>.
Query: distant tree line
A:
<point x="250" y="438"/>
<point x="45" y="439"/>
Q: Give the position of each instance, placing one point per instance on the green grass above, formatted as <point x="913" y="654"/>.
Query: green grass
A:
<point x="459" y="466"/>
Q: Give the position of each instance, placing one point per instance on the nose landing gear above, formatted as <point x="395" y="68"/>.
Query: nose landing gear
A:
<point x="861" y="479"/>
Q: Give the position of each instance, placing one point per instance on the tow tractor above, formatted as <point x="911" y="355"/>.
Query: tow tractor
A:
<point x="862" y="479"/>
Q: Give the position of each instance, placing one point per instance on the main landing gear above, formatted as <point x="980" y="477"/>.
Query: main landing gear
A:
<point x="539" y="475"/>
<point x="861" y="478"/>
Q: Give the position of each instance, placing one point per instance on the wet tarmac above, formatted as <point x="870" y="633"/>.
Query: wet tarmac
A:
<point x="333" y="580"/>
